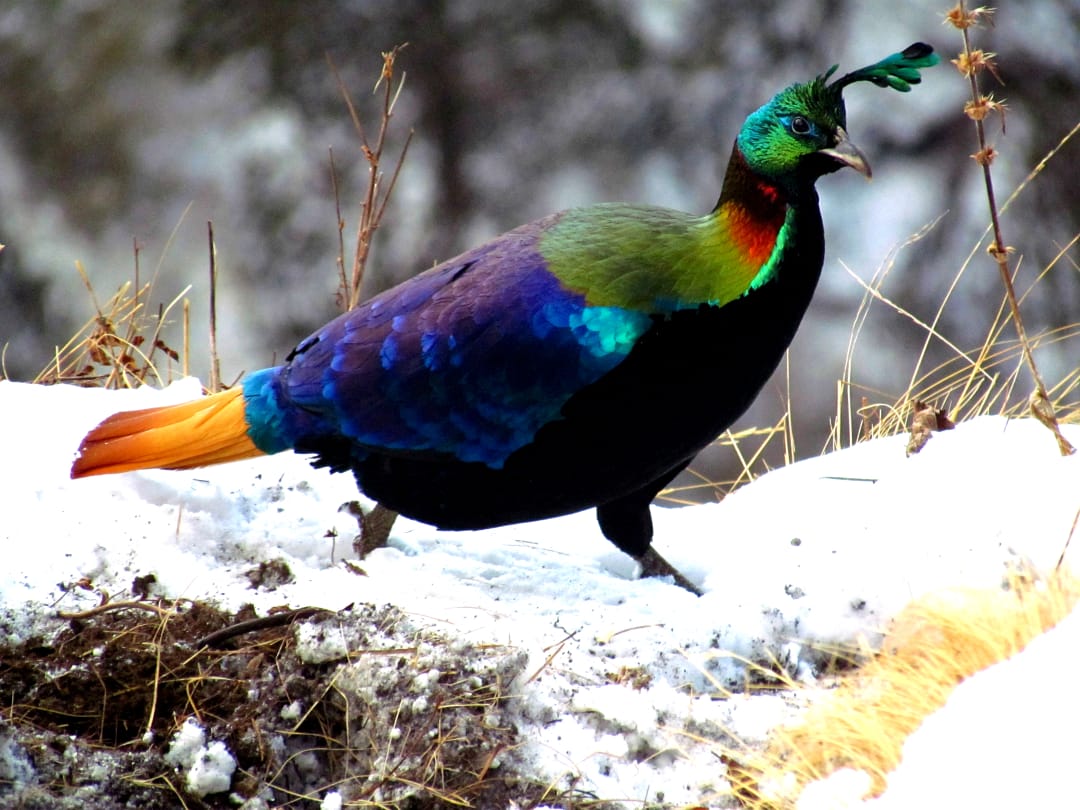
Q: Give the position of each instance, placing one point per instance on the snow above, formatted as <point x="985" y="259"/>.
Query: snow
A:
<point x="819" y="553"/>
<point x="16" y="769"/>
<point x="208" y="768"/>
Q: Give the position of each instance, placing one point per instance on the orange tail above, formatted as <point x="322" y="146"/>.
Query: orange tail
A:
<point x="207" y="431"/>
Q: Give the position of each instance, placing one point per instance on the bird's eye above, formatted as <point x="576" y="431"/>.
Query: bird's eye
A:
<point x="800" y="126"/>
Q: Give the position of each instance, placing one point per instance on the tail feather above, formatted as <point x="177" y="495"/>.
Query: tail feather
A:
<point x="211" y="430"/>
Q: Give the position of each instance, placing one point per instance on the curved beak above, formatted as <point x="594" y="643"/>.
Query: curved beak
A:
<point x="848" y="154"/>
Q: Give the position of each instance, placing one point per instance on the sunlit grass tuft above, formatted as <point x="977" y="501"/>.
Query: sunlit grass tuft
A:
<point x="932" y="645"/>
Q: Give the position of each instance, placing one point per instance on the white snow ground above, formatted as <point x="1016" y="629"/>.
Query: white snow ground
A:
<point x="817" y="553"/>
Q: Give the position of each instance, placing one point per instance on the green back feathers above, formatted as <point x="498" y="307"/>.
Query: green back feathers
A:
<point x="652" y="259"/>
<point x="655" y="260"/>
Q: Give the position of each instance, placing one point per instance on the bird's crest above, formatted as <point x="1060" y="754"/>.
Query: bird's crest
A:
<point x="773" y="155"/>
<point x="898" y="71"/>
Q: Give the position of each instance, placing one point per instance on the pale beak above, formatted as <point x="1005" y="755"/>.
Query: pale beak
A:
<point x="848" y="154"/>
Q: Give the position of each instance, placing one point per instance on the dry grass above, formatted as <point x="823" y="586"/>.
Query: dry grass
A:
<point x="122" y="345"/>
<point x="377" y="195"/>
<point x="932" y="645"/>
<point x="972" y="383"/>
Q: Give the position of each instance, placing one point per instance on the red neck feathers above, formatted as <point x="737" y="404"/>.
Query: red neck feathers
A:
<point x="754" y="209"/>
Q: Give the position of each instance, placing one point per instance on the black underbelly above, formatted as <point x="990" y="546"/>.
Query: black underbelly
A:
<point x="686" y="381"/>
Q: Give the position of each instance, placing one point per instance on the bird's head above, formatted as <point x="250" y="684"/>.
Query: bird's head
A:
<point x="801" y="133"/>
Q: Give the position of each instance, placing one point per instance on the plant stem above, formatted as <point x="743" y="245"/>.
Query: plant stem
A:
<point x="1040" y="405"/>
<point x="215" y="360"/>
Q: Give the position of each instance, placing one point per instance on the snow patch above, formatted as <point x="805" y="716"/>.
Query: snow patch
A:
<point x="808" y="557"/>
<point x="208" y="768"/>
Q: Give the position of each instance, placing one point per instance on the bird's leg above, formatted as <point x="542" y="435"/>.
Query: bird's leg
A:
<point x="374" y="526"/>
<point x="626" y="522"/>
<point x="653" y="565"/>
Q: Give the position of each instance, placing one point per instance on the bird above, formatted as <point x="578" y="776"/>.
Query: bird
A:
<point x="580" y="361"/>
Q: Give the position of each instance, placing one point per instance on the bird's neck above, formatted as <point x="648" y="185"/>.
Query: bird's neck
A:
<point x="753" y="220"/>
<point x="744" y="188"/>
<point x="751" y="211"/>
<point x="656" y="260"/>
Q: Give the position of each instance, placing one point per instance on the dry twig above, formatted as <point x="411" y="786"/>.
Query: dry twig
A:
<point x="214" y="383"/>
<point x="377" y="195"/>
<point x="970" y="63"/>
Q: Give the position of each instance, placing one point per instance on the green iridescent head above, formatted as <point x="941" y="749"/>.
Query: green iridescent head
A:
<point x="800" y="134"/>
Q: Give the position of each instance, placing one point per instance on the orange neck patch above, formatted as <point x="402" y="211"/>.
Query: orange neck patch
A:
<point x="753" y="235"/>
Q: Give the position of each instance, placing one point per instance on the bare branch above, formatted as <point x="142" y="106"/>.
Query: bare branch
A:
<point x="970" y="63"/>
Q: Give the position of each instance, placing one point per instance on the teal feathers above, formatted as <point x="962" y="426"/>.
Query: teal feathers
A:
<point x="898" y="71"/>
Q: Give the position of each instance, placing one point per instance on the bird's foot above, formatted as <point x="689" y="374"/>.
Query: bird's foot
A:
<point x="374" y="526"/>
<point x="653" y="565"/>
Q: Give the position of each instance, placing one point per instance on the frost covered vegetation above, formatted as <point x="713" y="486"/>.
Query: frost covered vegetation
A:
<point x="362" y="699"/>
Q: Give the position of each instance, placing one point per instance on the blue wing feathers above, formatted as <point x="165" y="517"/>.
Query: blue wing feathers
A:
<point x="470" y="359"/>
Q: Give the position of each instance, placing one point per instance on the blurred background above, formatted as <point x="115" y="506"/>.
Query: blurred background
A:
<point x="136" y="123"/>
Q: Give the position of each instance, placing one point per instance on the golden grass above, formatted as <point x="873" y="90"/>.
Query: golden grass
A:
<point x="932" y="645"/>
<point x="122" y="345"/>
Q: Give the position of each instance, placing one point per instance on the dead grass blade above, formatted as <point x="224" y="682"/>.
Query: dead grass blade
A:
<point x="117" y="347"/>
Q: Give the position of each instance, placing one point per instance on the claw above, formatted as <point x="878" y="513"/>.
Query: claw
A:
<point x="653" y="565"/>
<point x="374" y="526"/>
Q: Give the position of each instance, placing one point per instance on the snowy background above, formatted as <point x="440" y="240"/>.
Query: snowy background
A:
<point x="817" y="554"/>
